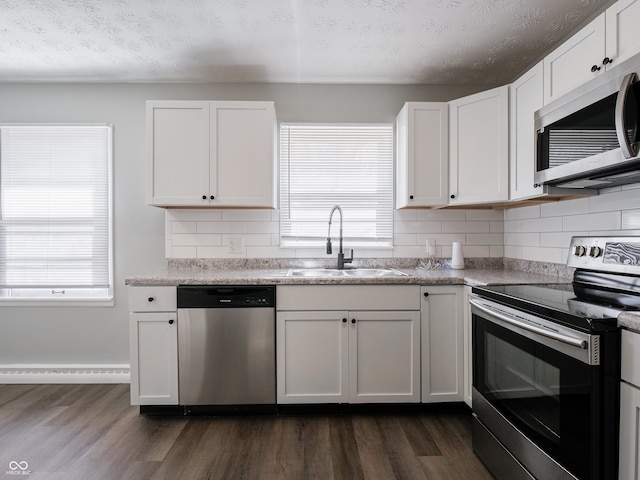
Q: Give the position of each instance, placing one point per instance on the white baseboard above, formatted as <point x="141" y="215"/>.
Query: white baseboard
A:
<point x="50" y="373"/>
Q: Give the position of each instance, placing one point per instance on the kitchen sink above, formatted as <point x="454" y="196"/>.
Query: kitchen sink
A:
<point x="347" y="272"/>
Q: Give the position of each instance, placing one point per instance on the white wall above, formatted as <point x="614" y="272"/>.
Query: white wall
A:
<point x="542" y="232"/>
<point x="62" y="335"/>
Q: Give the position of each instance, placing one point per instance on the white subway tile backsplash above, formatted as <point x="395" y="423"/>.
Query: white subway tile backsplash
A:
<point x="593" y="221"/>
<point x="621" y="200"/>
<point x="522" y="213"/>
<point x="262" y="227"/>
<point x="466" y="227"/>
<point x="558" y="239"/>
<point x="221" y="227"/>
<point x="487" y="239"/>
<point x="183" y="227"/>
<point x="190" y="239"/>
<point x="631" y="219"/>
<point x="417" y="227"/>
<point x="404" y="239"/>
<point x="441" y="216"/>
<point x="195" y="214"/>
<point x="405" y="215"/>
<point x="562" y="209"/>
<point x="549" y="224"/>
<point x="243" y="215"/>
<point x="522" y="239"/>
<point x="476" y="215"/>
<point x="543" y="254"/>
<point x="496" y="227"/>
<point x="183" y="252"/>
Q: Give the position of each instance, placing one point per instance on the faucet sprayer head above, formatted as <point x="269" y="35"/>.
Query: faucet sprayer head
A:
<point x="329" y="252"/>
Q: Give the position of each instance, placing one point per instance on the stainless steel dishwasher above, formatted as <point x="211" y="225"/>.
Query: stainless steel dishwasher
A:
<point x="226" y="346"/>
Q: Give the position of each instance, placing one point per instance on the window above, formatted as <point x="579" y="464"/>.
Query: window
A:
<point x="326" y="165"/>
<point x="55" y="212"/>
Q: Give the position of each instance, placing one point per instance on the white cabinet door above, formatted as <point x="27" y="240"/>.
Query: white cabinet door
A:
<point x="422" y="155"/>
<point x="629" y="466"/>
<point x="526" y="96"/>
<point x="479" y="148"/>
<point x="442" y="347"/>
<point x="243" y="156"/>
<point x="177" y="153"/>
<point x="622" y="38"/>
<point x="312" y="357"/>
<point x="384" y="357"/>
<point x="571" y="64"/>
<point x="154" y="358"/>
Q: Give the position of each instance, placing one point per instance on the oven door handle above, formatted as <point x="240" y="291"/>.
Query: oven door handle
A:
<point x="574" y="342"/>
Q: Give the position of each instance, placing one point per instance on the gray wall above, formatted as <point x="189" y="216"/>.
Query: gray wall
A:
<point x="99" y="335"/>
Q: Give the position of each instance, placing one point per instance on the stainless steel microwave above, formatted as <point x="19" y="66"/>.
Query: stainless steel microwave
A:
<point x="590" y="137"/>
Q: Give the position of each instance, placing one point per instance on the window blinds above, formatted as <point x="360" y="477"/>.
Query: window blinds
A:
<point x="55" y="224"/>
<point x="326" y="165"/>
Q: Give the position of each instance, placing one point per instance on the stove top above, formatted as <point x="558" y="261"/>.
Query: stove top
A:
<point x="606" y="282"/>
<point x="555" y="302"/>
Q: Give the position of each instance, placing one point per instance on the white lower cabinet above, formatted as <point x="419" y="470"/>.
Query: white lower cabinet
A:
<point x="442" y="344"/>
<point x="153" y="340"/>
<point x="343" y="355"/>
<point x="629" y="466"/>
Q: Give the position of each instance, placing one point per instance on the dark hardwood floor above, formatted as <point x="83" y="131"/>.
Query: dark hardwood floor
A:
<point x="87" y="432"/>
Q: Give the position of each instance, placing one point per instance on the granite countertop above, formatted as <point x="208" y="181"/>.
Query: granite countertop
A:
<point x="414" y="276"/>
<point x="630" y="320"/>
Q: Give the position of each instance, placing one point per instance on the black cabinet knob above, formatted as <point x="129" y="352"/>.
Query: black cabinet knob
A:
<point x="212" y="197"/>
<point x="170" y="322"/>
<point x="204" y="197"/>
<point x="410" y="197"/>
<point x="607" y="61"/>
<point x="453" y="196"/>
<point x="426" y="294"/>
<point x="353" y="320"/>
<point x="150" y="299"/>
<point x="595" y="68"/>
<point x="344" y="320"/>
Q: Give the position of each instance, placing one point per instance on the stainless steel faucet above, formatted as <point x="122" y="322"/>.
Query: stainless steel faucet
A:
<point x="341" y="259"/>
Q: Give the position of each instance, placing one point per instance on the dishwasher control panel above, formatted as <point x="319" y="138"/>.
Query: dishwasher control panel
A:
<point x="213" y="296"/>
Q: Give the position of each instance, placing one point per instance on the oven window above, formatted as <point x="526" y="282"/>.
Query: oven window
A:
<point x="526" y="386"/>
<point x="542" y="392"/>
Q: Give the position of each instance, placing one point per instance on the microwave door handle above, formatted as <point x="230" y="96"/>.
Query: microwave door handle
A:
<point x="623" y="140"/>
<point x="574" y="342"/>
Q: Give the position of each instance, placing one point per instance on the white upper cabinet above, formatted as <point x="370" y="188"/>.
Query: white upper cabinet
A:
<point x="526" y="96"/>
<point x="243" y="154"/>
<point x="211" y="154"/>
<point x="622" y="38"/>
<point x="422" y="155"/>
<point x="479" y="148"/>
<point x="177" y="152"/>
<point x="604" y="43"/>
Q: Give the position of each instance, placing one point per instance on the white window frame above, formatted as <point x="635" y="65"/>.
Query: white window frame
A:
<point x="319" y="218"/>
<point x="51" y="296"/>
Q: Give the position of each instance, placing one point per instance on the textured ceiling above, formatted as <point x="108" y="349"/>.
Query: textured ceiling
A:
<point x="324" y="41"/>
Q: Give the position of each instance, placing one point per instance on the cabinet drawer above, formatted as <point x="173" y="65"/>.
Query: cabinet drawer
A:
<point x="152" y="299"/>
<point x="630" y="357"/>
<point x="348" y="297"/>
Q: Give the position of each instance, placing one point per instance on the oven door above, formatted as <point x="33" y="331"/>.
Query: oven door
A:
<point x="547" y="383"/>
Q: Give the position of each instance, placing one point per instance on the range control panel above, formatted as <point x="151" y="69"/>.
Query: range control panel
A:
<point x="608" y="254"/>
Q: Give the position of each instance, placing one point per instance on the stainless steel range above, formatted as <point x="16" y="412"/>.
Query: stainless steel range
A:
<point x="546" y="366"/>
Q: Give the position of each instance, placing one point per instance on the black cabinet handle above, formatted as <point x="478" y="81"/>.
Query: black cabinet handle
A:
<point x="453" y="196"/>
<point x="410" y="197"/>
<point x="204" y="197"/>
<point x="607" y="61"/>
<point x="344" y="320"/>
<point x="353" y="320"/>
<point x="595" y="68"/>
<point x="426" y="294"/>
<point x="212" y="197"/>
<point x="150" y="299"/>
<point x="170" y="322"/>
